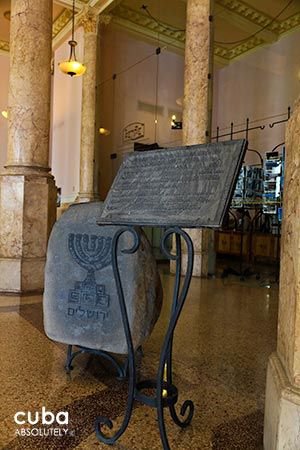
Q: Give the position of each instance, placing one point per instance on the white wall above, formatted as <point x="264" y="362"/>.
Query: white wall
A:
<point x="132" y="96"/>
<point x="257" y="86"/>
<point x="66" y="123"/>
<point x="260" y="85"/>
<point x="4" y="73"/>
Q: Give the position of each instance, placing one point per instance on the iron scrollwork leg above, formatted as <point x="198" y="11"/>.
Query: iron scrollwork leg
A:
<point x="179" y="296"/>
<point x="100" y="421"/>
<point x="121" y="369"/>
<point x="166" y="393"/>
<point x="70" y="357"/>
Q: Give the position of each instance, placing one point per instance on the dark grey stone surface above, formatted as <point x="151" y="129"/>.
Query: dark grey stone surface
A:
<point x="81" y="306"/>
<point x="186" y="186"/>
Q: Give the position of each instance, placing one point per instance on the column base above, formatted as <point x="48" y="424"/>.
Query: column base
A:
<point x="200" y="265"/>
<point x="282" y="409"/>
<point x="204" y="258"/>
<point x="22" y="276"/>
<point x="27" y="214"/>
<point x="86" y="197"/>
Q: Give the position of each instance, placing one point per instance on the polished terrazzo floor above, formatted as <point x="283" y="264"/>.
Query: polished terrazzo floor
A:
<point x="225" y="335"/>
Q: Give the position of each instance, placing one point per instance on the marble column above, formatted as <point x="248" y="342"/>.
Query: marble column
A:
<point x="88" y="183"/>
<point x="198" y="69"/>
<point x="197" y="104"/>
<point x="282" y="410"/>
<point x="27" y="189"/>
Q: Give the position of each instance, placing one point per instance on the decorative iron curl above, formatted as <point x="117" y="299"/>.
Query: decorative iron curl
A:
<point x="179" y="297"/>
<point x="101" y="420"/>
<point x="164" y="241"/>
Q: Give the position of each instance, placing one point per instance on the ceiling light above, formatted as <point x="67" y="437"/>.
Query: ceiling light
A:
<point x="4" y="114"/>
<point x="72" y="67"/>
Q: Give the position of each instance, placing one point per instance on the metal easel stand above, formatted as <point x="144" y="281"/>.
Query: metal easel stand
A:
<point x="165" y="393"/>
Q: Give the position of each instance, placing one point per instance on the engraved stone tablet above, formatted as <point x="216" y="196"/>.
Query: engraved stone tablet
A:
<point x="81" y="305"/>
<point x="185" y="186"/>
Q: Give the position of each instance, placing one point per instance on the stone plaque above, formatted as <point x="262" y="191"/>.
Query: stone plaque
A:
<point x="184" y="186"/>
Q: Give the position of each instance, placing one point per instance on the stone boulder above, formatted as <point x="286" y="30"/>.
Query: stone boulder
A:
<point x="81" y="305"/>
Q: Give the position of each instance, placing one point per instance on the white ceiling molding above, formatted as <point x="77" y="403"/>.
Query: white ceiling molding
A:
<point x="79" y="4"/>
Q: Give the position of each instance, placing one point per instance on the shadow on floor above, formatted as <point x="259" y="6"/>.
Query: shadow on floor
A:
<point x="244" y="433"/>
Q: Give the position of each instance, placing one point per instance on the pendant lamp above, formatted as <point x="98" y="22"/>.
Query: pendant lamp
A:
<point x="72" y="67"/>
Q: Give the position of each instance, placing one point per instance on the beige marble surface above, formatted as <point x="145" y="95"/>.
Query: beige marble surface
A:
<point x="198" y="73"/>
<point x="200" y="242"/>
<point x="197" y="104"/>
<point x="27" y="189"/>
<point x="11" y="215"/>
<point x="289" y="306"/>
<point x="88" y="111"/>
<point x="29" y="83"/>
<point x="282" y="410"/>
<point x="282" y="413"/>
<point x="25" y="218"/>
<point x="26" y="222"/>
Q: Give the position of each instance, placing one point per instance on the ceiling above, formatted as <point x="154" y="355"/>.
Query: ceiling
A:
<point x="241" y="26"/>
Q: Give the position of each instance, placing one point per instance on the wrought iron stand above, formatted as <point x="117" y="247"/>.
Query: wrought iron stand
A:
<point x="166" y="393"/>
<point x="120" y="368"/>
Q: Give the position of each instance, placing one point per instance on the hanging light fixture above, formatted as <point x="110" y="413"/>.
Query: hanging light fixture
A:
<point x="72" y="67"/>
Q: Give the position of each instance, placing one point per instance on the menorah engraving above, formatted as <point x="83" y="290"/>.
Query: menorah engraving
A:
<point x="89" y="300"/>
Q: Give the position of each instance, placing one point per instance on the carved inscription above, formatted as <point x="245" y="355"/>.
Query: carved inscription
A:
<point x="189" y="186"/>
<point x="89" y="300"/>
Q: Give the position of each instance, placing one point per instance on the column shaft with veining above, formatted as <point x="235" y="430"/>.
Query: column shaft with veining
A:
<point x="282" y="407"/>
<point x="27" y="189"/>
<point x="198" y="72"/>
<point x="197" y="102"/>
<point x="88" y="112"/>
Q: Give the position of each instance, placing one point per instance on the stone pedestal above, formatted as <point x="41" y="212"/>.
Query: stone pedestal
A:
<point x="27" y="190"/>
<point x="197" y="109"/>
<point x="282" y="410"/>
<point x="282" y="413"/>
<point x="26" y="221"/>
<point x="200" y="240"/>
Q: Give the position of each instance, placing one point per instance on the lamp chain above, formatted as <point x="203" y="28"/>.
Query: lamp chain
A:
<point x="73" y="20"/>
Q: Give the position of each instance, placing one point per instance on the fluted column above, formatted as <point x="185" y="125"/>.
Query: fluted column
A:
<point x="197" y="104"/>
<point x="282" y="410"/>
<point x="27" y="189"/>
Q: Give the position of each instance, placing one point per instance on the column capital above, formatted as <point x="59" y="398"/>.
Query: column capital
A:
<point x="88" y="19"/>
<point x="105" y="19"/>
